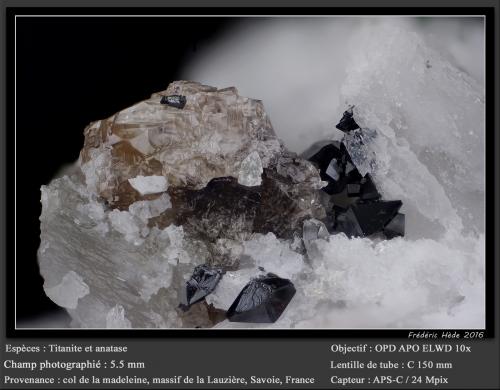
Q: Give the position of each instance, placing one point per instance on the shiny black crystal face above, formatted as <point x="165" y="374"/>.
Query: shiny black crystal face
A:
<point x="202" y="282"/>
<point x="396" y="227"/>
<point x="262" y="300"/>
<point x="368" y="191"/>
<point x="177" y="101"/>
<point x="336" y="167"/>
<point x="365" y="219"/>
<point x="347" y="123"/>
<point x="356" y="207"/>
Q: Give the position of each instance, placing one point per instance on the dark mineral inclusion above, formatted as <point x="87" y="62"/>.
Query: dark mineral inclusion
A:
<point x="356" y="206"/>
<point x="262" y="300"/>
<point x="365" y="219"/>
<point x="177" y="101"/>
<point x="347" y="123"/>
<point x="202" y="282"/>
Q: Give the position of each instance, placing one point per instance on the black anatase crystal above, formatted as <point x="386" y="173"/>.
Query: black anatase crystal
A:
<point x="262" y="300"/>
<point x="177" y="101"/>
<point x="396" y="227"/>
<point x="353" y="190"/>
<point x="331" y="162"/>
<point x="365" y="219"/>
<point x="368" y="191"/>
<point x="347" y="123"/>
<point x="357" y="210"/>
<point x="202" y="282"/>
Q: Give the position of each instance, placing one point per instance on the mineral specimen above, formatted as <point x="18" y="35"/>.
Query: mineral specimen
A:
<point x="365" y="219"/>
<point x="119" y="242"/>
<point x="347" y="123"/>
<point x="359" y="144"/>
<point x="251" y="170"/>
<point x="162" y="195"/>
<point x="177" y="101"/>
<point x="202" y="282"/>
<point x="430" y="124"/>
<point x="368" y="191"/>
<point x="331" y="161"/>
<point x="396" y="227"/>
<point x="262" y="300"/>
<point x="354" y="207"/>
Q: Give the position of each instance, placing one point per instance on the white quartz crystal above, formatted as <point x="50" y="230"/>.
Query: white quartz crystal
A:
<point x="251" y="170"/>
<point x="146" y="209"/>
<point x="69" y="291"/>
<point x="116" y="318"/>
<point x="149" y="184"/>
<point x="125" y="223"/>
<point x="362" y="146"/>
<point x="313" y="230"/>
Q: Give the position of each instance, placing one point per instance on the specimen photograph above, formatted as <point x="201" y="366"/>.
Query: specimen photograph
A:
<point x="277" y="172"/>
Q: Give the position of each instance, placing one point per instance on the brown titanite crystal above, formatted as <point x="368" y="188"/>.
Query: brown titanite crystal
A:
<point x="192" y="175"/>
<point x="227" y="173"/>
<point x="208" y="138"/>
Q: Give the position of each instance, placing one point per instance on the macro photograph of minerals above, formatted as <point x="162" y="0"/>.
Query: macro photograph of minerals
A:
<point x="251" y="173"/>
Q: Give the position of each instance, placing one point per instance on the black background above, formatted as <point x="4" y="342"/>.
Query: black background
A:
<point x="70" y="72"/>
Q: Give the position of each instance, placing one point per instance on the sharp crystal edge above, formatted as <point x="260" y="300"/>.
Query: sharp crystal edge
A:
<point x="262" y="300"/>
<point x="202" y="282"/>
<point x="177" y="101"/>
<point x="356" y="207"/>
<point x="347" y="122"/>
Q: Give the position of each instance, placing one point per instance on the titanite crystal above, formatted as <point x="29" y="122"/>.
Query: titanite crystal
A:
<point x="188" y="177"/>
<point x="210" y="137"/>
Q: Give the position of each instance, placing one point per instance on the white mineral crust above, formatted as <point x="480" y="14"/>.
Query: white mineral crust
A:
<point x="251" y="170"/>
<point x="149" y="184"/>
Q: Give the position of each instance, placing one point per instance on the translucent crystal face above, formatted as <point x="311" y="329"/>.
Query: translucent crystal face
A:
<point x="251" y="170"/>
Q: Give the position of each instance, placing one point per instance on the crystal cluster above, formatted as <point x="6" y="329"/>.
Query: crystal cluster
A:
<point x="354" y="206"/>
<point x="157" y="211"/>
<point x="427" y="109"/>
